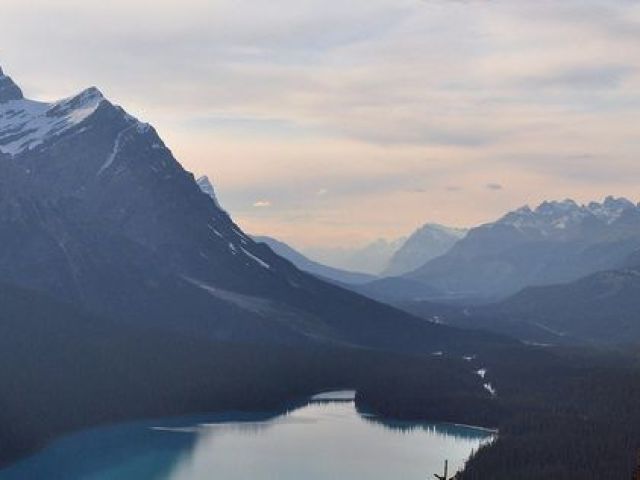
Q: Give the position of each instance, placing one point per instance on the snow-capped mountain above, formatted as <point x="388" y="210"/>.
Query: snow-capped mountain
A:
<point x="562" y="218"/>
<point x="207" y="187"/>
<point x="96" y="211"/>
<point x="426" y="243"/>
<point x="26" y="124"/>
<point x="8" y="89"/>
<point x="558" y="241"/>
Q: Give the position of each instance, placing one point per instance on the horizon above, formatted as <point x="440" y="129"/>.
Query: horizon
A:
<point x="402" y="113"/>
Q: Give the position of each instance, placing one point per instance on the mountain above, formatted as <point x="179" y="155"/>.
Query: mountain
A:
<point x="95" y="211"/>
<point x="426" y="243"/>
<point x="8" y="89"/>
<point x="555" y="243"/>
<point x="315" y="268"/>
<point x="371" y="258"/>
<point x="207" y="187"/>
<point x="600" y="308"/>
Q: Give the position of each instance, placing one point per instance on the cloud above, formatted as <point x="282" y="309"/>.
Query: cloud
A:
<point x="376" y="99"/>
<point x="493" y="186"/>
<point x="583" y="77"/>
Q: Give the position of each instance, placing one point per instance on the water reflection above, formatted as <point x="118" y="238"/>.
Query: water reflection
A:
<point x="324" y="439"/>
<point x="462" y="432"/>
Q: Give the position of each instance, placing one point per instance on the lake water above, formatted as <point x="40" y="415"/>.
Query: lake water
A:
<point x="323" y="440"/>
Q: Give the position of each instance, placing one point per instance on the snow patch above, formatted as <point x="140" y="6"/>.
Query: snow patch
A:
<point x="26" y="124"/>
<point x="490" y="389"/>
<point x="482" y="373"/>
<point x="216" y="232"/>
<point x="259" y="261"/>
<point x="117" y="144"/>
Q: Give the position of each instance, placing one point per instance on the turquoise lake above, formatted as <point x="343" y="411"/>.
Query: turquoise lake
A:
<point x="325" y="439"/>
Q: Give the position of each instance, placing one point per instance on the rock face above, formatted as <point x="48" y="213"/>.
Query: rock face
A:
<point x="426" y="243"/>
<point x="207" y="187"/>
<point x="556" y="242"/>
<point x="96" y="211"/>
<point x="8" y="90"/>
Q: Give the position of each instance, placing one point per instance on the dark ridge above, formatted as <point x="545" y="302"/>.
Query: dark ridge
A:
<point x="8" y="89"/>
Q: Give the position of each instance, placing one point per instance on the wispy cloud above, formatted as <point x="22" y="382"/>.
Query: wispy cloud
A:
<point x="370" y="99"/>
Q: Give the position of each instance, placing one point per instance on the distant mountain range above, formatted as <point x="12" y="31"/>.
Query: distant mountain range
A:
<point x="599" y="308"/>
<point x="556" y="242"/>
<point x="426" y="243"/>
<point x="95" y="211"/>
<point x="381" y="258"/>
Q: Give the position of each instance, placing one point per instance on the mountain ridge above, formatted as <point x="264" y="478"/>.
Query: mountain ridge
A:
<point x="599" y="308"/>
<point x="556" y="242"/>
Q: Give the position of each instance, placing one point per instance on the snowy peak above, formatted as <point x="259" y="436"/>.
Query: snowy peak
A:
<point x="8" y="89"/>
<point x="80" y="105"/>
<point x="558" y="216"/>
<point x="26" y="124"/>
<point x="555" y="208"/>
<point x="207" y="187"/>
<point x="611" y="209"/>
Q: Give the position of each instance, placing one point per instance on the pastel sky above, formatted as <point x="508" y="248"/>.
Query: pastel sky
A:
<point x="330" y="123"/>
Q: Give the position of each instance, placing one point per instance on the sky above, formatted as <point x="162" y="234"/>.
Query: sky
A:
<point x="333" y="123"/>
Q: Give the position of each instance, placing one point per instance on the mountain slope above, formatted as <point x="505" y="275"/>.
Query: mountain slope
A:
<point x="62" y="369"/>
<point x="315" y="268"/>
<point x="426" y="243"/>
<point x="600" y="308"/>
<point x="96" y="211"/>
<point x="557" y="242"/>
